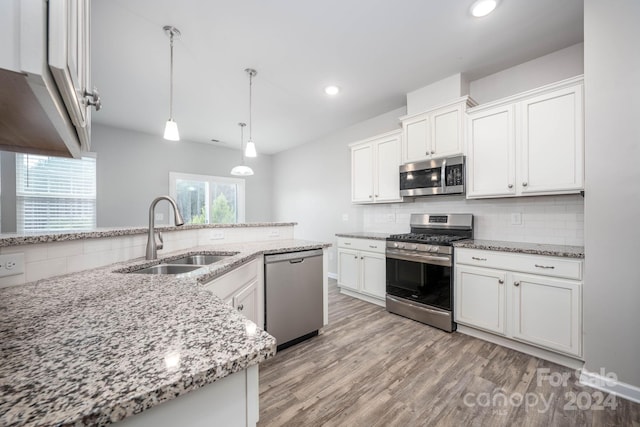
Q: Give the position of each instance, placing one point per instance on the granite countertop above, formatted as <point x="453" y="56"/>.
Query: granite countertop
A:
<point x="365" y="235"/>
<point x="14" y="239"/>
<point x="523" y="248"/>
<point x="94" y="347"/>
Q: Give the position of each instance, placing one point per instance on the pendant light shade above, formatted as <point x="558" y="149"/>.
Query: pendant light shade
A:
<point x="251" y="147"/>
<point x="171" y="131"/>
<point x="242" y="169"/>
<point x="171" y="128"/>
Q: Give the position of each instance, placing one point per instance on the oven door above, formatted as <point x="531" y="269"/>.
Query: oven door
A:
<point x="424" y="279"/>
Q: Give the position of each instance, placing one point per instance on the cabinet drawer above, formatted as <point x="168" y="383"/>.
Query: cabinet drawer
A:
<point x="535" y="264"/>
<point x="227" y="284"/>
<point x="369" y="245"/>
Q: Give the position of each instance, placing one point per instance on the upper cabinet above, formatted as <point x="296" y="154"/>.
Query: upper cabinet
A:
<point x="436" y="133"/>
<point x="375" y="162"/>
<point x="45" y="78"/>
<point x="528" y="144"/>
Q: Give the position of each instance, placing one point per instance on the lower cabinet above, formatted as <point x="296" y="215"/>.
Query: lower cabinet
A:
<point x="362" y="269"/>
<point x="243" y="289"/>
<point x="529" y="298"/>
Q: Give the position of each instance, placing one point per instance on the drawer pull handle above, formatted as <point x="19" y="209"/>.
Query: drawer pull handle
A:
<point x="347" y="244"/>
<point x="500" y="281"/>
<point x="516" y="283"/>
<point x="373" y="247"/>
<point x="544" y="266"/>
<point x="478" y="259"/>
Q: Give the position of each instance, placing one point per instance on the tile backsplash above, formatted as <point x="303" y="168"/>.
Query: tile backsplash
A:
<point x="543" y="219"/>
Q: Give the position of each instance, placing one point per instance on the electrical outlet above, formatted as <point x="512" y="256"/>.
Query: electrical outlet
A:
<point x="274" y="233"/>
<point x="516" y="218"/>
<point x="217" y="235"/>
<point x="11" y="264"/>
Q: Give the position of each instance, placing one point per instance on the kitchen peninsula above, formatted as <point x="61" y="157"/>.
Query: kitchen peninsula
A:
<point x="97" y="346"/>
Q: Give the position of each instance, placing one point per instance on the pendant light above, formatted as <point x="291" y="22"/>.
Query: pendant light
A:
<point x="251" y="147"/>
<point x="171" y="128"/>
<point x="242" y="169"/>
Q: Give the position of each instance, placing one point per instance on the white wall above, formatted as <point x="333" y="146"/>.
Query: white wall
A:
<point x="612" y="205"/>
<point x="558" y="65"/>
<point x="133" y="168"/>
<point x="312" y="183"/>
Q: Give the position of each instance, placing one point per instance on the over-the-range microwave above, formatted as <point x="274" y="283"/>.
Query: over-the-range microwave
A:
<point x="430" y="177"/>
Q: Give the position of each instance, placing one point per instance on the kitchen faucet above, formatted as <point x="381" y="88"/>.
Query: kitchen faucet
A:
<point x="152" y="246"/>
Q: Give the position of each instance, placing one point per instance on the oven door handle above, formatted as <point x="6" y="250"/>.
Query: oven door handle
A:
<point x="425" y="259"/>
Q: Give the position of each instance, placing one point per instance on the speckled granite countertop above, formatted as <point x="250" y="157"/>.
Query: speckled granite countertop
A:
<point x="523" y="248"/>
<point x="13" y="239"/>
<point x="94" y="347"/>
<point x="364" y="235"/>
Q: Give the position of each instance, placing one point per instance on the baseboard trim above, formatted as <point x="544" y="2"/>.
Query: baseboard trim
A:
<point x="362" y="297"/>
<point x="560" y="359"/>
<point x="618" y="388"/>
<point x="332" y="275"/>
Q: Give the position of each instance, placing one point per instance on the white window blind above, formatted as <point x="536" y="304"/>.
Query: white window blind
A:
<point x="54" y="193"/>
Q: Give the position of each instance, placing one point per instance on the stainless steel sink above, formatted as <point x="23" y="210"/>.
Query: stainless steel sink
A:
<point x="167" y="269"/>
<point x="199" y="259"/>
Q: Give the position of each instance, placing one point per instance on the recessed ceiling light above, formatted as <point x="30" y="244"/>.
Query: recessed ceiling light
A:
<point x="331" y="90"/>
<point x="483" y="7"/>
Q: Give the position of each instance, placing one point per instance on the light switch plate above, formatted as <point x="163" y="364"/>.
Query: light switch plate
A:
<point x="516" y="218"/>
<point x="11" y="264"/>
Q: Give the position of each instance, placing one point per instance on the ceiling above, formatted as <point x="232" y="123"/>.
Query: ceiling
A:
<point x="375" y="50"/>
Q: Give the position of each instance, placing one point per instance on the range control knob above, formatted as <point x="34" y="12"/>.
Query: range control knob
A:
<point x="413" y="247"/>
<point x="433" y="249"/>
<point x="396" y="245"/>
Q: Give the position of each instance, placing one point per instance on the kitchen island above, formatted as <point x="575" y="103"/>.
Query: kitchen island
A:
<point x="98" y="346"/>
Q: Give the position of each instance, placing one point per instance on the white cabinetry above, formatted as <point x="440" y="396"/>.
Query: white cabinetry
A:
<point x="435" y="133"/>
<point x="362" y="269"/>
<point x="375" y="163"/>
<point x="529" y="298"/>
<point x="528" y="144"/>
<point x="45" y="78"/>
<point x="243" y="288"/>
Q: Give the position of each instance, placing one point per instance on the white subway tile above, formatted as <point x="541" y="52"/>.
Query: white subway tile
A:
<point x="64" y="249"/>
<point x="18" y="279"/>
<point x="32" y="253"/>
<point x="97" y="245"/>
<point x="44" y="269"/>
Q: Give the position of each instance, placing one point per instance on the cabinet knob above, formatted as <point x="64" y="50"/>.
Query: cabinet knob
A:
<point x="427" y="153"/>
<point x="433" y="152"/>
<point x="241" y="307"/>
<point x="510" y="185"/>
<point x="377" y="195"/>
<point x="93" y="99"/>
<point x="370" y="196"/>
<point x="355" y="257"/>
<point x="361" y="257"/>
<point x="524" y="184"/>
<point x="516" y="284"/>
<point x="500" y="281"/>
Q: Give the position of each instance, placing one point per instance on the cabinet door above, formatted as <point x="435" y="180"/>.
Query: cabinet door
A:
<point x="373" y="274"/>
<point x="552" y="153"/>
<point x="387" y="170"/>
<point x="446" y="132"/>
<point x="491" y="153"/>
<point x="480" y="298"/>
<point x="362" y="174"/>
<point x="547" y="312"/>
<point x="246" y="301"/>
<point x="348" y="269"/>
<point x="415" y="134"/>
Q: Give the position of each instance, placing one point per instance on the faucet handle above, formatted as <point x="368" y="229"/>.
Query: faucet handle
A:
<point x="161" y="243"/>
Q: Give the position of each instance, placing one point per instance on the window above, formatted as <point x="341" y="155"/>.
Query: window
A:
<point x="54" y="193"/>
<point x="204" y="199"/>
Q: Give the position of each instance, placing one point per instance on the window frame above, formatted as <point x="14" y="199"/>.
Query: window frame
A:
<point x="211" y="179"/>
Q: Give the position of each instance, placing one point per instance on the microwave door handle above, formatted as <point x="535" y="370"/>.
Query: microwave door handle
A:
<point x="443" y="172"/>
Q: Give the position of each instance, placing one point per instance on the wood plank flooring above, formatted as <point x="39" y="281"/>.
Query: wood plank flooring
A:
<point x="373" y="368"/>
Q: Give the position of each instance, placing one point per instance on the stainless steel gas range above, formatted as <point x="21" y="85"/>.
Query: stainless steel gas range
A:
<point x="420" y="268"/>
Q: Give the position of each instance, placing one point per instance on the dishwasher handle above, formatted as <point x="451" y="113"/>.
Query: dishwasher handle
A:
<point x="292" y="257"/>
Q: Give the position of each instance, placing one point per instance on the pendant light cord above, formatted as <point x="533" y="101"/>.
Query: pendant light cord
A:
<point x="250" y="106"/>
<point x="171" y="77"/>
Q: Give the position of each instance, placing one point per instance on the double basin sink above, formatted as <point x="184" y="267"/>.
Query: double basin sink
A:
<point x="185" y="264"/>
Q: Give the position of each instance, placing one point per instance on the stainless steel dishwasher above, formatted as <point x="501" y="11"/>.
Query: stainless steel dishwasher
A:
<point x="293" y="296"/>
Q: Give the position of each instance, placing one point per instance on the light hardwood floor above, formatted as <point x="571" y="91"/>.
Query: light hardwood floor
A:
<point x="373" y="368"/>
